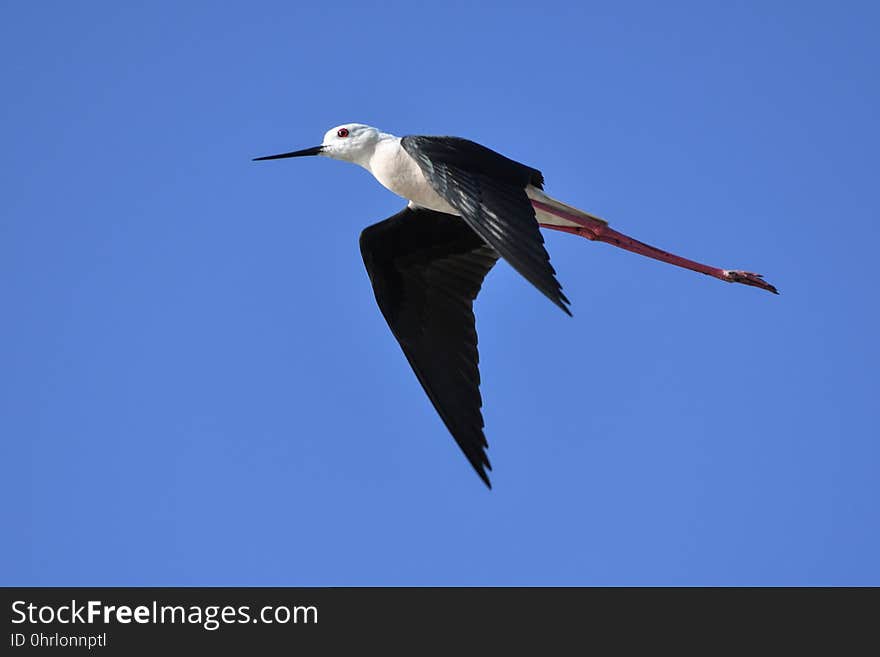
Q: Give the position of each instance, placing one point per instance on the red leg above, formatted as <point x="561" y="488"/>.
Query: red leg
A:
<point x="596" y="230"/>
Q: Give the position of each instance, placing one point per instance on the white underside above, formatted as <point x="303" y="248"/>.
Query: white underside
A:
<point x="397" y="171"/>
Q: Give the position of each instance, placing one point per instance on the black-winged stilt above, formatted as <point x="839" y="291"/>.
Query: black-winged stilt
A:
<point x="468" y="206"/>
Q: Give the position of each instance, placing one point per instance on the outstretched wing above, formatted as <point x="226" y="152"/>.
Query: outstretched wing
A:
<point x="426" y="269"/>
<point x="488" y="190"/>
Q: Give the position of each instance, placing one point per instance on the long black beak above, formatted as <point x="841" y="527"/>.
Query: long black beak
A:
<point x="315" y="150"/>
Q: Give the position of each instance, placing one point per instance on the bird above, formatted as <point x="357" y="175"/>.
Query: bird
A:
<point x="467" y="207"/>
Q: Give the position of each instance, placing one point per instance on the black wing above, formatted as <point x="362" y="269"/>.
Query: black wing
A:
<point x="488" y="190"/>
<point x="426" y="268"/>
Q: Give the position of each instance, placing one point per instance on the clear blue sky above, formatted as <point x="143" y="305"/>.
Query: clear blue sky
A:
<point x="198" y="388"/>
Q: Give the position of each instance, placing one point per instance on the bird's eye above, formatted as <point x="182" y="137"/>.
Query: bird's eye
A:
<point x="342" y="132"/>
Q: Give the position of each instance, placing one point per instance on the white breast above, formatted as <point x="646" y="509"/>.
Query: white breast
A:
<point x="397" y="171"/>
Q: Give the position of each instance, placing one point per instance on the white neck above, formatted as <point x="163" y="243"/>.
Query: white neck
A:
<point x="363" y="157"/>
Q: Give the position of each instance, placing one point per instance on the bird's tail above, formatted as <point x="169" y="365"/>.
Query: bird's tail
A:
<point x="552" y="213"/>
<point x="557" y="215"/>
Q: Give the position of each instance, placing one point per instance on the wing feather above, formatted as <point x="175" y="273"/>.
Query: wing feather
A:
<point x="488" y="190"/>
<point x="426" y="269"/>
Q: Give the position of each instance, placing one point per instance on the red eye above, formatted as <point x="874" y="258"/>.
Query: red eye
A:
<point x="342" y="132"/>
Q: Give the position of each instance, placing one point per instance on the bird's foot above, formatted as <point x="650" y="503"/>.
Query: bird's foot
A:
<point x="748" y="278"/>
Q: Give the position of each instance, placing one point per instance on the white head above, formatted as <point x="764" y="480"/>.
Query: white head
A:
<point x="351" y="142"/>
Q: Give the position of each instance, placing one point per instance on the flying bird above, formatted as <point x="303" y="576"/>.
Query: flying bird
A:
<point x="467" y="207"/>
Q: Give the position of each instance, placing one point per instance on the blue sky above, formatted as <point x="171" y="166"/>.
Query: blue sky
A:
<point x="199" y="390"/>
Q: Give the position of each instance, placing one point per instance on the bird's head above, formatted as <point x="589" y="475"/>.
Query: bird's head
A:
<point x="351" y="142"/>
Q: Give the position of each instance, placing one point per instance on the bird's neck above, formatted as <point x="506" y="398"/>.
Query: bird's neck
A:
<point x="380" y="148"/>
